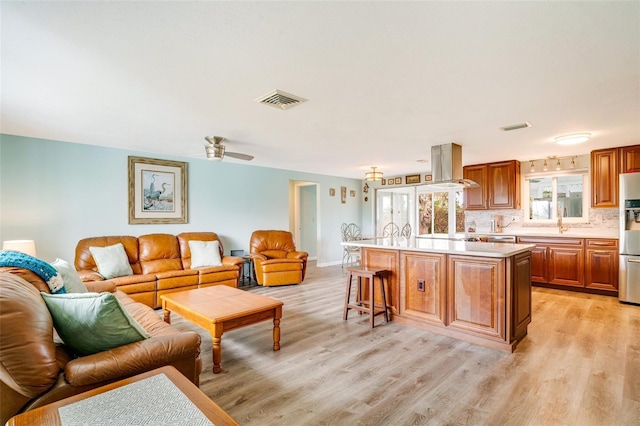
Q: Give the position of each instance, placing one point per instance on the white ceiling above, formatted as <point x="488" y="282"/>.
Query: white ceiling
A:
<point x="384" y="80"/>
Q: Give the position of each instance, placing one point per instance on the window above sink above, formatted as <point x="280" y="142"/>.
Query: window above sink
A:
<point x="551" y="195"/>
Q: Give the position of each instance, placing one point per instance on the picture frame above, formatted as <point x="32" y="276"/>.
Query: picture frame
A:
<point x="398" y="181"/>
<point x="428" y="178"/>
<point x="332" y="192"/>
<point x="343" y="194"/>
<point x="412" y="179"/>
<point x="352" y="193"/>
<point x="157" y="191"/>
<point x="383" y="181"/>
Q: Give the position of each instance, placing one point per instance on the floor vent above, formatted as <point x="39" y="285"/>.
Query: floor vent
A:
<point x="280" y="99"/>
<point x="516" y="126"/>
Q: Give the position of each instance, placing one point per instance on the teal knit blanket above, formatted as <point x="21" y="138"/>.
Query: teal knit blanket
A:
<point x="45" y="271"/>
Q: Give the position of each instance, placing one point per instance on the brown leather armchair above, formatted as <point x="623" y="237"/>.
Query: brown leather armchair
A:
<point x="275" y="258"/>
<point x="36" y="369"/>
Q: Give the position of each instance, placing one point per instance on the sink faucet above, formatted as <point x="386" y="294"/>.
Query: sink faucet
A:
<point x="561" y="229"/>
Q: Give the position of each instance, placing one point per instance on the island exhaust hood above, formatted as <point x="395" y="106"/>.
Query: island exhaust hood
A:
<point x="446" y="168"/>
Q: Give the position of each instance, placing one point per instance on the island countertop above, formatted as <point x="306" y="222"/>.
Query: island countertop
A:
<point x="468" y="248"/>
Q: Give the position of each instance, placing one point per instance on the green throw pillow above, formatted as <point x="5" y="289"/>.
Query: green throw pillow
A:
<point x="92" y="322"/>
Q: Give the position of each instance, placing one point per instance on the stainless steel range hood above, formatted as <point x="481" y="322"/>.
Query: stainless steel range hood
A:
<point x="446" y="168"/>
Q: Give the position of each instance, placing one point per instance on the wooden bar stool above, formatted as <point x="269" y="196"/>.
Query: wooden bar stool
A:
<point x="371" y="274"/>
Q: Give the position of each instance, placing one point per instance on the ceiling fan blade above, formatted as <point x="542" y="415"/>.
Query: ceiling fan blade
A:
<point x="239" y="156"/>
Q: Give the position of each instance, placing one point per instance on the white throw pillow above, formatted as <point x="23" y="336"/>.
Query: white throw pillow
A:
<point x="70" y="277"/>
<point x="205" y="253"/>
<point x="112" y="261"/>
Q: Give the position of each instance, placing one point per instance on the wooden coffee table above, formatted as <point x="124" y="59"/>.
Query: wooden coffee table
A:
<point x="222" y="308"/>
<point x="50" y="414"/>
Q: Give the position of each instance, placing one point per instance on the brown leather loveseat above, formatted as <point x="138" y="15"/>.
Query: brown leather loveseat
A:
<point x="161" y="263"/>
<point x="36" y="368"/>
<point x="275" y="258"/>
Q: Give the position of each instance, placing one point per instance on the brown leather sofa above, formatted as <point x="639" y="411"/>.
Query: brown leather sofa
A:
<point x="161" y="263"/>
<point x="275" y="258"/>
<point x="37" y="369"/>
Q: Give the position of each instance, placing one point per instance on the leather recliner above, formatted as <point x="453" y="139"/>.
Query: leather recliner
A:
<point x="37" y="369"/>
<point x="275" y="258"/>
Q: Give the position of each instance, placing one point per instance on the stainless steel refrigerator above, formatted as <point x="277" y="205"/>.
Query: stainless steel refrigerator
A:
<point x="629" y="285"/>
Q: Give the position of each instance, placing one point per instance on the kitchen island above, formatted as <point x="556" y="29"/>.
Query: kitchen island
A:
<point x="473" y="291"/>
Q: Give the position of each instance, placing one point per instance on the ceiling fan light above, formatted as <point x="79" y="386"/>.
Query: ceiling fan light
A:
<point x="572" y="139"/>
<point x="214" y="152"/>
<point x="373" y="175"/>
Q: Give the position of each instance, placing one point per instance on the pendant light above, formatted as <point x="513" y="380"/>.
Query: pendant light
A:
<point x="373" y="174"/>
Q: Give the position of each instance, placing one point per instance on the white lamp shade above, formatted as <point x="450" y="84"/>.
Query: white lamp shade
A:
<point x="24" y="246"/>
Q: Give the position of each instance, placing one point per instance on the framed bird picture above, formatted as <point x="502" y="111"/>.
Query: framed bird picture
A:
<point x="157" y="191"/>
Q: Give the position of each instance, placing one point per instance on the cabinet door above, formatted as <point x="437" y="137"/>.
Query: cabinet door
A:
<point x="566" y="266"/>
<point x="476" y="198"/>
<point x="602" y="264"/>
<point x="604" y="178"/>
<point x="520" y="295"/>
<point x="539" y="264"/>
<point x="504" y="187"/>
<point x="425" y="287"/>
<point x="476" y="288"/>
<point x="387" y="259"/>
<point x="630" y="159"/>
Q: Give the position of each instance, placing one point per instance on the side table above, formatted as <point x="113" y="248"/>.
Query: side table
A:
<point x="249" y="266"/>
<point x="50" y="414"/>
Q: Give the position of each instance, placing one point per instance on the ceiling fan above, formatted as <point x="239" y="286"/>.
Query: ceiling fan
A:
<point x="216" y="150"/>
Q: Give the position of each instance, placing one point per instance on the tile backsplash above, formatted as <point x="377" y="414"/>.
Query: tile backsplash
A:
<point x="598" y="219"/>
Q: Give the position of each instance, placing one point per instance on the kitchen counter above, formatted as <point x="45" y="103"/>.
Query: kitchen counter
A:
<point x="479" y="292"/>
<point x="433" y="245"/>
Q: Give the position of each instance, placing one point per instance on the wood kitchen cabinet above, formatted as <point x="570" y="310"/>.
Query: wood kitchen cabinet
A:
<point x="590" y="263"/>
<point x="476" y="198"/>
<point x="629" y="159"/>
<point x="499" y="186"/>
<point x="425" y="286"/>
<point x="480" y="299"/>
<point x="604" y="177"/>
<point x="606" y="165"/>
<point x="476" y="295"/>
<point x="602" y="264"/>
<point x="557" y="261"/>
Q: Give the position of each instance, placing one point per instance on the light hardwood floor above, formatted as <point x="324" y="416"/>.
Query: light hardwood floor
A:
<point x="579" y="365"/>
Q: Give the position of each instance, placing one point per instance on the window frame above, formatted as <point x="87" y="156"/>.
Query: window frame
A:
<point x="428" y="189"/>
<point x="586" y="197"/>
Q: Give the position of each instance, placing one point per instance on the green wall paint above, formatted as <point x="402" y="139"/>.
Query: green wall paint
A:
<point x="59" y="192"/>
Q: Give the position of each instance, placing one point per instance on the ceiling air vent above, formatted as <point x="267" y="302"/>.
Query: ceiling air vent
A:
<point x="280" y="99"/>
<point x="516" y="126"/>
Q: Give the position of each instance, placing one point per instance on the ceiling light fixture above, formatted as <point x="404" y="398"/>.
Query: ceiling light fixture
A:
<point x="572" y="139"/>
<point x="532" y="168"/>
<point x="573" y="162"/>
<point x="544" y="166"/>
<point x="558" y="167"/>
<point x="373" y="175"/>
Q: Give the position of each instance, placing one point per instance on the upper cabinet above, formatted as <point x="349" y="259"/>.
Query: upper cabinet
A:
<point x="606" y="164"/>
<point x="604" y="177"/>
<point x="630" y="159"/>
<point x="476" y="198"/>
<point x="499" y="186"/>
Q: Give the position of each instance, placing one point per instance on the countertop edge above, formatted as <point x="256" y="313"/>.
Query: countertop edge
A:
<point x="462" y="248"/>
